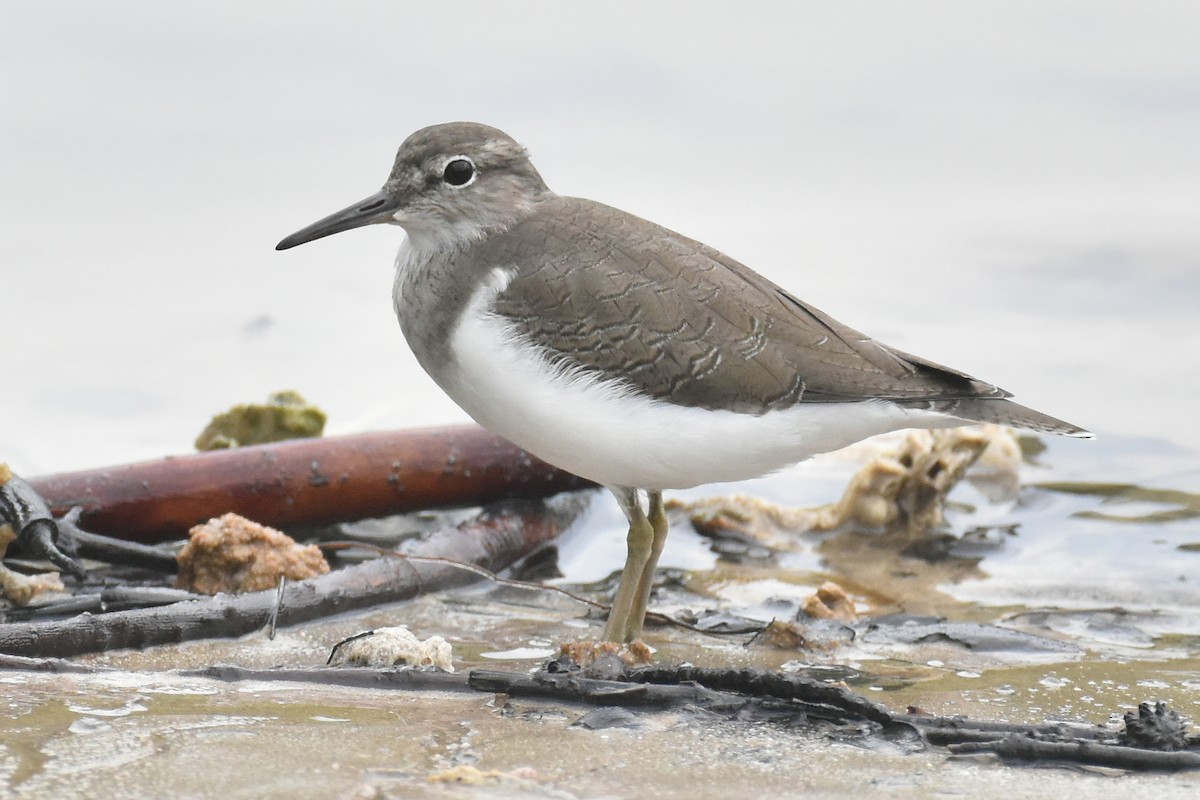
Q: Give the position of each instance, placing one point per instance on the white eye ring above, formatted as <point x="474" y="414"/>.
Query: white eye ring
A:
<point x="459" y="171"/>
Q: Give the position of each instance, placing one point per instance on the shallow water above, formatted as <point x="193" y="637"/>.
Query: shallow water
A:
<point x="1013" y="194"/>
<point x="1025" y="212"/>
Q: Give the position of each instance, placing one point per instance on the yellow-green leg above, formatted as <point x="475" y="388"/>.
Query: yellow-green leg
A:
<point x="658" y="523"/>
<point x="640" y="544"/>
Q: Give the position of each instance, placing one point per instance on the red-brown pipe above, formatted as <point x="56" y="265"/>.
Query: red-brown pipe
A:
<point x="304" y="482"/>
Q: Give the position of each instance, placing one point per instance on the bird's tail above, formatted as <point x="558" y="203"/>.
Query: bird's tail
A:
<point x="1005" y="412"/>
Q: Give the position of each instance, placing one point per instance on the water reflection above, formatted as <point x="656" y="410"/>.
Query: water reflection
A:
<point x="1179" y="504"/>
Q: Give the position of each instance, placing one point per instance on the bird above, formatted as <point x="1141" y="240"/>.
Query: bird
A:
<point x="624" y="352"/>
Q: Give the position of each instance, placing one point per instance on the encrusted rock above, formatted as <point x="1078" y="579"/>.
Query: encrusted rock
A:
<point x="392" y="647"/>
<point x="233" y="554"/>
<point x="1155" y="727"/>
<point x="831" y="602"/>
<point x="587" y="655"/>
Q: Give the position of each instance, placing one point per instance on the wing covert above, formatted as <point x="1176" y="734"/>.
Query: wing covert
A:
<point x="681" y="321"/>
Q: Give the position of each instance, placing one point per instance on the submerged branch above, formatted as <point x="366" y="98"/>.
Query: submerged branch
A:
<point x="1095" y="754"/>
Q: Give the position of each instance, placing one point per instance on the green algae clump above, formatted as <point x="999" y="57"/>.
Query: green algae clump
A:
<point x="285" y="415"/>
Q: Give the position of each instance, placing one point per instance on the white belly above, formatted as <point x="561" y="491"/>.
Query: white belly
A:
<point x="606" y="432"/>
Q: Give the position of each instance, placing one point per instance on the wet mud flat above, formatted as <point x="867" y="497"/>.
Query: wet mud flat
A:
<point x="144" y="728"/>
<point x="159" y="721"/>
<point x="1001" y="622"/>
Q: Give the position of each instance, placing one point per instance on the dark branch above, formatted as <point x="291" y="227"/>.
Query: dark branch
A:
<point x="499" y="536"/>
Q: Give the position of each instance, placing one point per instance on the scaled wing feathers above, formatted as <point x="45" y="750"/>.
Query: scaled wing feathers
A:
<point x="680" y="321"/>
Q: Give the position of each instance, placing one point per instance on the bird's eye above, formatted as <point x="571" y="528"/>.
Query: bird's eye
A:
<point x="459" y="172"/>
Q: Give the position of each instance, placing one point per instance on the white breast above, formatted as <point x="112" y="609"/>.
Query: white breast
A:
<point x="606" y="431"/>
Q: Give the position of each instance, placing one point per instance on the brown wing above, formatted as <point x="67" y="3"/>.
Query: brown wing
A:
<point x="681" y="321"/>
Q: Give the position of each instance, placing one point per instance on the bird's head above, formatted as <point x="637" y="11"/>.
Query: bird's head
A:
<point x="451" y="184"/>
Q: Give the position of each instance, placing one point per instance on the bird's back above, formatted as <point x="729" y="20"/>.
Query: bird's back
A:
<point x="682" y="322"/>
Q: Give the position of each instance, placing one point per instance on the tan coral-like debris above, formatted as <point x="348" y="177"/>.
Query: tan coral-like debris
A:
<point x="392" y="647"/>
<point x="936" y="461"/>
<point x="234" y="554"/>
<point x="19" y="589"/>
<point x="785" y="635"/>
<point x="752" y="516"/>
<point x="585" y="653"/>
<point x="831" y="602"/>
<point x="903" y="486"/>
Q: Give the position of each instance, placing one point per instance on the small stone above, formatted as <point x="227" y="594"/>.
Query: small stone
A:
<point x="784" y="635"/>
<point x="831" y="602"/>
<point x="233" y="554"/>
<point x="392" y="647"/>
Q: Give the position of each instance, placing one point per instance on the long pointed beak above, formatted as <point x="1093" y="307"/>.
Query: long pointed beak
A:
<point x="379" y="207"/>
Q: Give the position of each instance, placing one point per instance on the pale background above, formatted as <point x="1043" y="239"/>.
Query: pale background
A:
<point x="1009" y="188"/>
